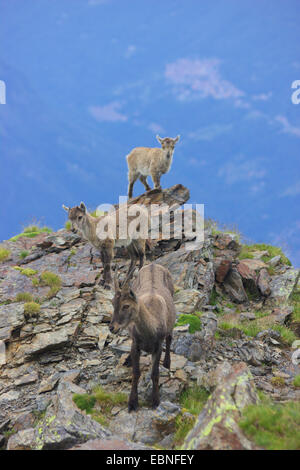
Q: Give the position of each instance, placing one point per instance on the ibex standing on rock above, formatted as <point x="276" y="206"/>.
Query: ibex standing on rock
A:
<point x="144" y="161"/>
<point x="86" y="224"/>
<point x="149" y="313"/>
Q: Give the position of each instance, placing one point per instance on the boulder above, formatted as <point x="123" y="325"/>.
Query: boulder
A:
<point x="217" y="427"/>
<point x="233" y="286"/>
<point x="282" y="286"/>
<point x="263" y="282"/>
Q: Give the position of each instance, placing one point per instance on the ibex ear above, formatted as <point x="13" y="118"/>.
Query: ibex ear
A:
<point x="65" y="208"/>
<point x="132" y="294"/>
<point x="82" y="207"/>
<point x="160" y="140"/>
<point x="176" y="139"/>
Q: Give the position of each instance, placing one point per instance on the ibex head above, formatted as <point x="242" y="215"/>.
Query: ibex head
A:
<point x="168" y="143"/>
<point x="125" y="306"/>
<point x="76" y="215"/>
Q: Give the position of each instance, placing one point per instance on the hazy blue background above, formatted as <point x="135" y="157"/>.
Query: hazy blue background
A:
<point x="88" y="80"/>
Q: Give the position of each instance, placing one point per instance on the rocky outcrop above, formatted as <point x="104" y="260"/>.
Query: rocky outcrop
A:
<point x="67" y="347"/>
<point x="216" y="427"/>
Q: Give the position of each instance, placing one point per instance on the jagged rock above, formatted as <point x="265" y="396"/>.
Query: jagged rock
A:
<point x="11" y="317"/>
<point x="46" y="341"/>
<point x="283" y="313"/>
<point x="222" y="268"/>
<point x="49" y="383"/>
<point x="254" y="264"/>
<point x="226" y="240"/>
<point x="283" y="285"/>
<point x="62" y="427"/>
<point x="195" y="346"/>
<point x="216" y="427"/>
<point x="188" y="300"/>
<point x="24" y="420"/>
<point x="246" y="316"/>
<point x="233" y="286"/>
<point x="263" y="282"/>
<point x="248" y="275"/>
<point x="147" y="426"/>
<point x="275" y="261"/>
<point x="190" y="270"/>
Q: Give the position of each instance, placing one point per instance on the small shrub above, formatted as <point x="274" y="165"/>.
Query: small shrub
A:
<point x="31" y="309"/>
<point x="189" y="319"/>
<point x="296" y="381"/>
<point x="24" y="297"/>
<point x="273" y="426"/>
<point x="4" y="254"/>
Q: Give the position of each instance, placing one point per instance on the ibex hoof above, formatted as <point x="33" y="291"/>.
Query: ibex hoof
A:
<point x="128" y="361"/>
<point x="132" y="406"/>
<point x="155" y="403"/>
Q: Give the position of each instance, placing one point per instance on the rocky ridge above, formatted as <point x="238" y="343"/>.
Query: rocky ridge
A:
<point x="66" y="348"/>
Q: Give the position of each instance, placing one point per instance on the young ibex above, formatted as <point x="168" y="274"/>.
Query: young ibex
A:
<point x="149" y="313"/>
<point x="86" y="224"/>
<point x="144" y="161"/>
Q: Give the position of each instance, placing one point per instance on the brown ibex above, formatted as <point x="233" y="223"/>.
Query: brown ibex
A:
<point x="149" y="313"/>
<point x="145" y="161"/>
<point x="86" y="225"/>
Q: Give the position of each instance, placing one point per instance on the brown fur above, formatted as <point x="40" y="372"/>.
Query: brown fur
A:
<point x="86" y="224"/>
<point x="149" y="313"/>
<point x="144" y="161"/>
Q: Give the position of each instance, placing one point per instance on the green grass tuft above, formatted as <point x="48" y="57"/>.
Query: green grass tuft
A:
<point x="30" y="232"/>
<point x="53" y="281"/>
<point x="273" y="426"/>
<point x="24" y="297"/>
<point x="189" y="319"/>
<point x="31" y="309"/>
<point x="24" y="254"/>
<point x="296" y="381"/>
<point x="84" y="402"/>
<point x="25" y="271"/>
<point x="192" y="401"/>
<point x="247" y="251"/>
<point x="287" y="335"/>
<point x="4" y="254"/>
